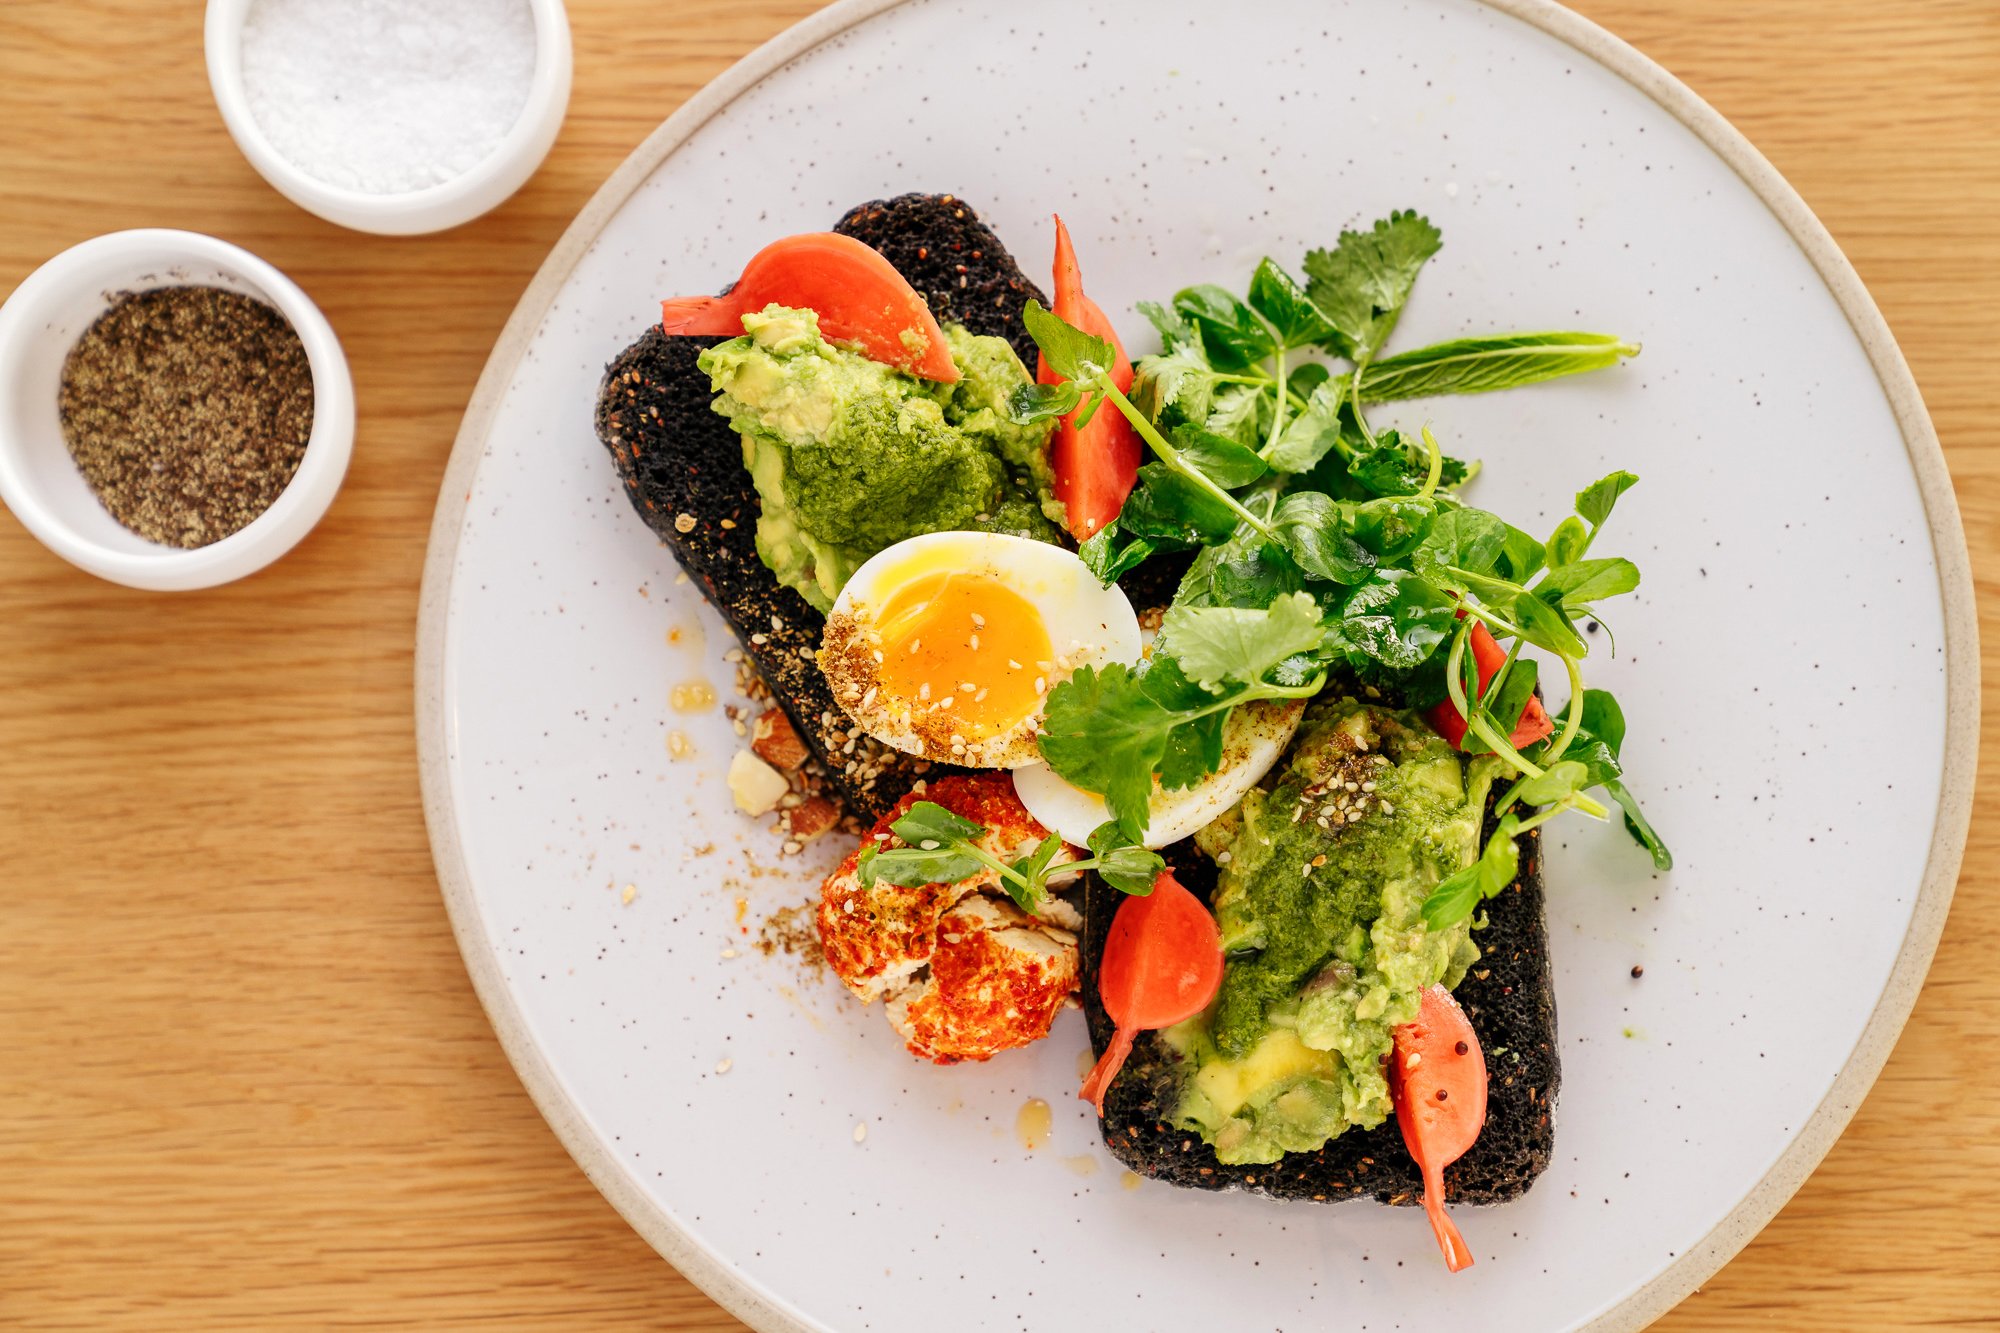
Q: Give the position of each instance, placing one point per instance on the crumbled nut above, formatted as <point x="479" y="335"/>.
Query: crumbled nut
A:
<point x="756" y="786"/>
<point x="811" y="817"/>
<point x="775" y="741"/>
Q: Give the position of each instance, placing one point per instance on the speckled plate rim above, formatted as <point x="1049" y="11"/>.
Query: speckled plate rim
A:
<point x="711" y="1271"/>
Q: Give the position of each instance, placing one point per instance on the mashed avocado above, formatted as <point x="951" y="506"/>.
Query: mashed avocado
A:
<point x="1320" y="912"/>
<point x="850" y="456"/>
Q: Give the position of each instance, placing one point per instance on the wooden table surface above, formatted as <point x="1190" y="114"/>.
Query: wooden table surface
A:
<point x="244" y="1082"/>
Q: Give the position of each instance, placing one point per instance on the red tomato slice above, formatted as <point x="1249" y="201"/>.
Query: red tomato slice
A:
<point x="1096" y="466"/>
<point x="859" y="297"/>
<point x="1489" y="656"/>
<point x="1437" y="1076"/>
<point x="1162" y="963"/>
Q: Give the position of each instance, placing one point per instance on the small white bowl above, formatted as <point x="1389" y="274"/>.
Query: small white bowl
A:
<point x="40" y="481"/>
<point x="436" y="207"/>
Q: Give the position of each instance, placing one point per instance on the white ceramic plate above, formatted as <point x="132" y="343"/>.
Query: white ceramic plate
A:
<point x="1799" y="668"/>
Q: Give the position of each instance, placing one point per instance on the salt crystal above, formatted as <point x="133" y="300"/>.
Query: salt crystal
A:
<point x="384" y="96"/>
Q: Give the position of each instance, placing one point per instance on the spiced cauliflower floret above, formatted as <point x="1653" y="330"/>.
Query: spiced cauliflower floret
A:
<point x="964" y="972"/>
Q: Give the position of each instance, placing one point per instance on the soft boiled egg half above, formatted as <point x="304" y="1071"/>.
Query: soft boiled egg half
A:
<point x="1252" y="741"/>
<point x="946" y="645"/>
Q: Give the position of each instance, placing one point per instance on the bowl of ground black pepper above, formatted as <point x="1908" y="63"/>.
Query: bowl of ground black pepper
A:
<point x="175" y="413"/>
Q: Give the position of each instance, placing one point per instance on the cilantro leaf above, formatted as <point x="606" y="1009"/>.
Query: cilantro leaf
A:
<point x="1175" y="331"/>
<point x="1103" y="733"/>
<point x="1030" y="403"/>
<point x="1280" y="300"/>
<point x="1214" y="645"/>
<point x="1361" y="284"/>
<point x="1071" y="353"/>
<point x="1239" y="412"/>
<point x="1309" y="436"/>
<point x="1175" y="386"/>
<point x="1482" y="365"/>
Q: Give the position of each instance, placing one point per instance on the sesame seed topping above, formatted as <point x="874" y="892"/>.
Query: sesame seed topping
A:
<point x="1040" y="685"/>
<point x="1012" y="665"/>
<point x="973" y="643"/>
<point x="861" y="1131"/>
<point x="979" y="620"/>
<point x="724" y="1065"/>
<point x="966" y="686"/>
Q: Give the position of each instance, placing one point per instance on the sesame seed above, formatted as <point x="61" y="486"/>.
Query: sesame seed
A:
<point x="914" y="645"/>
<point x="869" y="697"/>
<point x="729" y="524"/>
<point x="979" y="620"/>
<point x="929" y="844"/>
<point x="1012" y="665"/>
<point x="980" y="697"/>
<point x="924" y="690"/>
<point x="1388" y="809"/>
<point x="967" y="686"/>
<point x="861" y="1131"/>
<point x="778" y="624"/>
<point x="631" y="892"/>
<point x="729" y="953"/>
<point x="760" y="639"/>
<point x="1415" y="1058"/>
<point x="1040" y="685"/>
<point x="945" y="702"/>
<point x="877" y="655"/>
<point x="973" y="643"/>
<point x="724" y="1065"/>
<point x="1368" y="786"/>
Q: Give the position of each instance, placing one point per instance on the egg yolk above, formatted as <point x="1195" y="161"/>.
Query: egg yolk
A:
<point x="965" y="649"/>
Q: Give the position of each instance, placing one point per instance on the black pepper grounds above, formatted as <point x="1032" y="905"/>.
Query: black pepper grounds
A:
<point x="187" y="409"/>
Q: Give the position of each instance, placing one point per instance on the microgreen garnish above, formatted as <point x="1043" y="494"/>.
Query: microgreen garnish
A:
<point x="943" y="848"/>
<point x="1322" y="541"/>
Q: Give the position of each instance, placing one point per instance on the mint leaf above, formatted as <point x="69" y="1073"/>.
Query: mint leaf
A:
<point x="1315" y="531"/>
<point x="1397" y="619"/>
<point x="1168" y="505"/>
<point x="1361" y="284"/>
<point x="1227" y="463"/>
<point x="1071" y="353"/>
<point x="1214" y="645"/>
<point x="1233" y="335"/>
<point x="1281" y="301"/>
<point x="1482" y="365"/>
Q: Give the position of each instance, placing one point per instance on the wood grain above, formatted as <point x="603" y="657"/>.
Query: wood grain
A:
<point x="244" y="1083"/>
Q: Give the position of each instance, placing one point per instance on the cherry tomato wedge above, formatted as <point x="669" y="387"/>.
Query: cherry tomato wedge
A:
<point x="858" y="295"/>
<point x="1489" y="656"/>
<point x="1162" y="963"/>
<point x="1095" y="466"/>
<point x="1437" y="1076"/>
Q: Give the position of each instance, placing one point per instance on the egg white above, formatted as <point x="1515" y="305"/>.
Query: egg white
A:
<point x="1253" y="741"/>
<point x="1087" y="624"/>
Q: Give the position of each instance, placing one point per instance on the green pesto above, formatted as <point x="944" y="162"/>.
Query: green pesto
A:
<point x="1326" y="960"/>
<point x="850" y="456"/>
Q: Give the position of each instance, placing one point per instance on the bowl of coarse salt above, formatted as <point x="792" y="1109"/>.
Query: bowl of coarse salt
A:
<point x="391" y="116"/>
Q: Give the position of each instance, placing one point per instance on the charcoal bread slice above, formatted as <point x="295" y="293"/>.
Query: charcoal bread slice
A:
<point x="1510" y="998"/>
<point x="682" y="467"/>
<point x="939" y="245"/>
